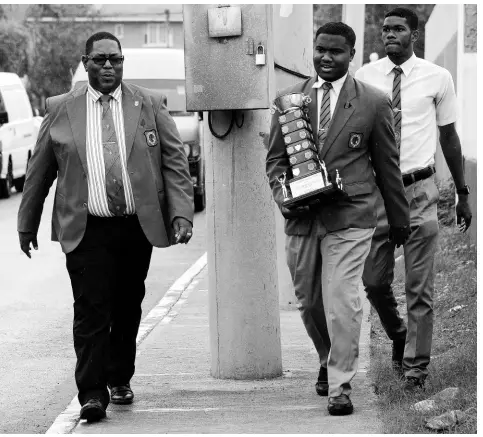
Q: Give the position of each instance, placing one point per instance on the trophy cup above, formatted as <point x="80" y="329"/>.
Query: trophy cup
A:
<point x="310" y="182"/>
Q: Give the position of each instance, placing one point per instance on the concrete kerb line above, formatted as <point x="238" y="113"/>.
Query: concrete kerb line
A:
<point x="170" y="299"/>
<point x="166" y="310"/>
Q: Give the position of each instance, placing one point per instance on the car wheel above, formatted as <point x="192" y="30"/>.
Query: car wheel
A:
<point x="7" y="183"/>
<point x="200" y="202"/>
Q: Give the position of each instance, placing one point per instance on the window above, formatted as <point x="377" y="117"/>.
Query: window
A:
<point x="119" y="31"/>
<point x="158" y="34"/>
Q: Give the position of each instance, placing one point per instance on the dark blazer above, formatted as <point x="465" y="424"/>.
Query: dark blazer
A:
<point x="159" y="174"/>
<point x="361" y="109"/>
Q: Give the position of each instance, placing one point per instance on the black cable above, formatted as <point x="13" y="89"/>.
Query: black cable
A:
<point x="210" y="125"/>
<point x="243" y="120"/>
<point x="233" y="113"/>
<point x="294" y="73"/>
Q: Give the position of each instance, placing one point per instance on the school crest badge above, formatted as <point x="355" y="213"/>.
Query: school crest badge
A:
<point x="151" y="137"/>
<point x="355" y="140"/>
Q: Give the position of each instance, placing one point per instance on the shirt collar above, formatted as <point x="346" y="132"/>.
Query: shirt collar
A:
<point x="94" y="94"/>
<point x="336" y="84"/>
<point x="406" y="67"/>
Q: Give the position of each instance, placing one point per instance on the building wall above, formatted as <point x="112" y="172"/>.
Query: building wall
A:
<point x="470" y="28"/>
<point x="443" y="17"/>
<point x="469" y="104"/>
<point x="455" y="49"/>
<point x="134" y="33"/>
<point x="441" y="48"/>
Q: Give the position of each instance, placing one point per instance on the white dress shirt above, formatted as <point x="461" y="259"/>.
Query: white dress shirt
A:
<point x="428" y="100"/>
<point x="96" y="177"/>
<point x="334" y="94"/>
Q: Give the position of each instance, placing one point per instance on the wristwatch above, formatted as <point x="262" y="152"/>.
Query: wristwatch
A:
<point x="464" y="190"/>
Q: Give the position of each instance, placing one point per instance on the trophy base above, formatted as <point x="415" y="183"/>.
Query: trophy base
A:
<point x="323" y="195"/>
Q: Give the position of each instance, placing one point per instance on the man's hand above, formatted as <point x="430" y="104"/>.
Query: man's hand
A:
<point x="25" y="239"/>
<point x="463" y="213"/>
<point x="299" y="211"/>
<point x="399" y="235"/>
<point x="183" y="230"/>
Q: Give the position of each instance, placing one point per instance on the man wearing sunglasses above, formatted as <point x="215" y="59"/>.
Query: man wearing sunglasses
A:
<point x="123" y="186"/>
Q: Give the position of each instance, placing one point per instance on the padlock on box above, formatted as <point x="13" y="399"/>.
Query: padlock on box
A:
<point x="260" y="55"/>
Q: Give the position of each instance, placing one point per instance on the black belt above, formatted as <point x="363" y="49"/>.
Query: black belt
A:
<point x="418" y="175"/>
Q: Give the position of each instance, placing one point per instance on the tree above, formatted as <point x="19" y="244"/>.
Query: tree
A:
<point x="326" y="13"/>
<point x="58" y="45"/>
<point x="15" y="47"/>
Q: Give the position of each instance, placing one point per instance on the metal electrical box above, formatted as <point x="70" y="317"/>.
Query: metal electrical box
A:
<point x="228" y="56"/>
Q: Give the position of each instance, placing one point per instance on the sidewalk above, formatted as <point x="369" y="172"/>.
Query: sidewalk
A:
<point x="174" y="392"/>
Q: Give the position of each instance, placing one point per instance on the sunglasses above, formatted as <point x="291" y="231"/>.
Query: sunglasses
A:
<point x="114" y="59"/>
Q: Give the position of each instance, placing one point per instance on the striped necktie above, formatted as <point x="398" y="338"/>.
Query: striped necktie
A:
<point x="324" y="114"/>
<point x="112" y="161"/>
<point x="396" y="104"/>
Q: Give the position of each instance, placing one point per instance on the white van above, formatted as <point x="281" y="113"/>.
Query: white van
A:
<point x="18" y="133"/>
<point x="163" y="69"/>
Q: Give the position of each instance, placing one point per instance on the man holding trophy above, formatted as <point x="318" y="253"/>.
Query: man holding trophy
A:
<point x="331" y="147"/>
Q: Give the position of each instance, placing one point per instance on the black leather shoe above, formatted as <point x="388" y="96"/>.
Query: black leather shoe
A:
<point x="412" y="384"/>
<point x="340" y="405"/>
<point x="398" y="355"/>
<point x="322" y="384"/>
<point x="93" y="410"/>
<point x="122" y="394"/>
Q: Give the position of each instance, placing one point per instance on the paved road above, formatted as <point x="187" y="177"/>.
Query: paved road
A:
<point x="36" y="351"/>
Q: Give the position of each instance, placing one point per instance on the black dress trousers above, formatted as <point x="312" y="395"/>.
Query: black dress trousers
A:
<point x="107" y="271"/>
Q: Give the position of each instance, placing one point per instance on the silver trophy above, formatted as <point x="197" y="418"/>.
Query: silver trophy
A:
<point x="310" y="181"/>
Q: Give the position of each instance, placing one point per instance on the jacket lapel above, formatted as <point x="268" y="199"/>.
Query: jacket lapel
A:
<point x="343" y="111"/>
<point x="77" y="113"/>
<point x="131" y="107"/>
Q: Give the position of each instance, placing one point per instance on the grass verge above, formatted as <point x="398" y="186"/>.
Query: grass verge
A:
<point x="454" y="350"/>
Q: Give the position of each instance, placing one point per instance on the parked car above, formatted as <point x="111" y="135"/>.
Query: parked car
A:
<point x="18" y="133"/>
<point x="163" y="69"/>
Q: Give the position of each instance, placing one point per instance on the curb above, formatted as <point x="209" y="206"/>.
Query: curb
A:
<point x="163" y="311"/>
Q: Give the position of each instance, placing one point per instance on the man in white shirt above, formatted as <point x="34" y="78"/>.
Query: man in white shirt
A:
<point x="424" y="101"/>
<point x="328" y="243"/>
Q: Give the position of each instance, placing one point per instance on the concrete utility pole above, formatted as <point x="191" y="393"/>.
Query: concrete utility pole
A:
<point x="243" y="299"/>
<point x="224" y="73"/>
